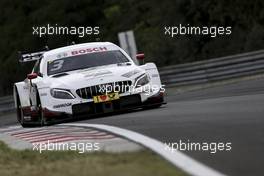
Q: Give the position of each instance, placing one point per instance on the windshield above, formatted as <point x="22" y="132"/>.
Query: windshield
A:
<point x="86" y="61"/>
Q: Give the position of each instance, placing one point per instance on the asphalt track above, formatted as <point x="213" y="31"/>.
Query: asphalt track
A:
<point x="230" y="113"/>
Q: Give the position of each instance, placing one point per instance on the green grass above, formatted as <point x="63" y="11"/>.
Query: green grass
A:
<point x="64" y="163"/>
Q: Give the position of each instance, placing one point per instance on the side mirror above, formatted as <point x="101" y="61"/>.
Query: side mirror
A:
<point x="32" y="76"/>
<point x="140" y="58"/>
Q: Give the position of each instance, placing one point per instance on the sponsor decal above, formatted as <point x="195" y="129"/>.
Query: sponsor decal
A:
<point x="62" y="105"/>
<point x="99" y="73"/>
<point x="105" y="98"/>
<point x="88" y="50"/>
<point x="61" y="55"/>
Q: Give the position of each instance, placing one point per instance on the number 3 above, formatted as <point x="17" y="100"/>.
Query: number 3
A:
<point x="57" y="64"/>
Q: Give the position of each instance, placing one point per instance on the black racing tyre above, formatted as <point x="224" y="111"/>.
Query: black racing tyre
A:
<point x="42" y="119"/>
<point x="154" y="103"/>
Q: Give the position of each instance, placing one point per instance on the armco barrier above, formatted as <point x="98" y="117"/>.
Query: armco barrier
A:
<point x="6" y="104"/>
<point x="199" y="72"/>
<point x="214" y="69"/>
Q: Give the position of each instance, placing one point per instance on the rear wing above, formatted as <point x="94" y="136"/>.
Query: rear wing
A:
<point x="28" y="57"/>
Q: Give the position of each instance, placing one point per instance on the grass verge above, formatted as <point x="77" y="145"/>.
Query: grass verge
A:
<point x="66" y="163"/>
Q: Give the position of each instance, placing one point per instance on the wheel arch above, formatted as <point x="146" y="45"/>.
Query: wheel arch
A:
<point x="153" y="72"/>
<point x="21" y="91"/>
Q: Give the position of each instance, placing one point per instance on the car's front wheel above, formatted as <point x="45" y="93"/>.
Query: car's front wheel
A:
<point x="42" y="119"/>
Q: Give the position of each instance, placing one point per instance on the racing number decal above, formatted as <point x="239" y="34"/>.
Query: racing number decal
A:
<point x="57" y="65"/>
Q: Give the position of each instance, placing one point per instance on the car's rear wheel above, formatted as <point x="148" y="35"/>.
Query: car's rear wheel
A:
<point x="20" y="116"/>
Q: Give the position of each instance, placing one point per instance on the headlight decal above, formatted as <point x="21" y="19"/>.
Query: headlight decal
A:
<point x="61" y="94"/>
<point x="131" y="73"/>
<point x="142" y="80"/>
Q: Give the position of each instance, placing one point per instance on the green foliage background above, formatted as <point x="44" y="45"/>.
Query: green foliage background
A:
<point x="147" y="18"/>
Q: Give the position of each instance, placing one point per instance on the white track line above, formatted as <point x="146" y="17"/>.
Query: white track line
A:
<point x="177" y="158"/>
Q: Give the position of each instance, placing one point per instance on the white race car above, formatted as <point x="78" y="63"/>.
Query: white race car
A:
<point x="84" y="80"/>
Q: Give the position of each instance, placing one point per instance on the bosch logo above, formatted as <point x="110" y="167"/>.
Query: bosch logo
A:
<point x="89" y="50"/>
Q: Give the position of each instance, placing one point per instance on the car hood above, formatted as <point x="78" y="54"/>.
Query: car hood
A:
<point x="93" y="76"/>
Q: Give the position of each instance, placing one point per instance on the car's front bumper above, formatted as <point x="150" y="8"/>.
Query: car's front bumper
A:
<point x="89" y="109"/>
<point x="125" y="102"/>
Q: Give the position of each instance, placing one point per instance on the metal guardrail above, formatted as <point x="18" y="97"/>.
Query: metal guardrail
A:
<point x="199" y="72"/>
<point x="212" y="70"/>
<point x="6" y="104"/>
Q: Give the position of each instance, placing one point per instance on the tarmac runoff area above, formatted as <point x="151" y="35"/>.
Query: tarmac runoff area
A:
<point x="80" y="139"/>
